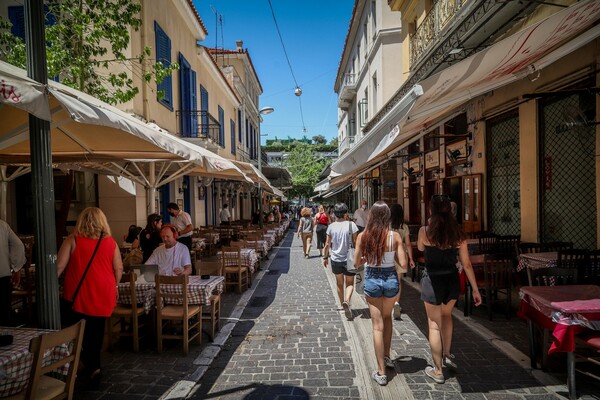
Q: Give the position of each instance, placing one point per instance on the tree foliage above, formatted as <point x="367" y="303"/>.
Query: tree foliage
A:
<point x="304" y="167"/>
<point x="319" y="139"/>
<point x="86" y="48"/>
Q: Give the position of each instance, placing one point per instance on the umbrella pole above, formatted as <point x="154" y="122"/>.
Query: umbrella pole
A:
<point x="42" y="177"/>
<point x="151" y="190"/>
<point x="3" y="192"/>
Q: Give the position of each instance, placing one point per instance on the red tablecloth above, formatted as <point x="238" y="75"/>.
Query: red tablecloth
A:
<point x="568" y="304"/>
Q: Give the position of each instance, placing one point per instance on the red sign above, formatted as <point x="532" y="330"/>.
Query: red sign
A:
<point x="547" y="174"/>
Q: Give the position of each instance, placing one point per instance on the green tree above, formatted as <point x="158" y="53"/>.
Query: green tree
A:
<point x="334" y="142"/>
<point x="86" y="48"/>
<point x="319" y="139"/>
<point x="304" y="168"/>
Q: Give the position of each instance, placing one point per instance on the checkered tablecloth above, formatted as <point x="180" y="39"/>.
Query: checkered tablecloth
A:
<point x="16" y="360"/>
<point x="198" y="243"/>
<point x="212" y="236"/>
<point x="262" y="244"/>
<point x="248" y="256"/>
<point x="199" y="291"/>
<point x="270" y="238"/>
<point x="537" y="260"/>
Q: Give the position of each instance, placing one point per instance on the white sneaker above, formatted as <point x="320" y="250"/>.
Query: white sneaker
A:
<point x="397" y="311"/>
<point x="380" y="379"/>
<point x="389" y="362"/>
<point x="347" y="310"/>
<point x="449" y="362"/>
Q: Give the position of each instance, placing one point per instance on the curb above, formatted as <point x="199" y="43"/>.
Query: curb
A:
<point x="186" y="387"/>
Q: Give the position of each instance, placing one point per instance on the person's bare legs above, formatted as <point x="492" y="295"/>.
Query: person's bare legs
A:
<point x="434" y="319"/>
<point x="447" y="327"/>
<point x="376" y="309"/>
<point x="388" y="305"/>
<point x="349" y="287"/>
<point x="339" y="281"/>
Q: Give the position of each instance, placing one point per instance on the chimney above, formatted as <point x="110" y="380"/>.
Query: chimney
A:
<point x="239" y="44"/>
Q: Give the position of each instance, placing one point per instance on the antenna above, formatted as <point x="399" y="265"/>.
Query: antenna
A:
<point x="216" y="24"/>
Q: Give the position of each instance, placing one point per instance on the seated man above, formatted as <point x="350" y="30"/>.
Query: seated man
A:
<point x="174" y="257"/>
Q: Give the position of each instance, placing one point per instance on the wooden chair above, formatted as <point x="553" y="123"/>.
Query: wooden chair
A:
<point x="236" y="274"/>
<point x="42" y="386"/>
<point x="573" y="258"/>
<point x="173" y="306"/>
<point x="129" y="317"/>
<point x="590" y="273"/>
<point x="552" y="276"/>
<point x="497" y="278"/>
<point x="587" y="350"/>
<point x="212" y="268"/>
<point x="557" y="246"/>
<point x="237" y="243"/>
<point x="507" y="244"/>
<point x="25" y="293"/>
<point x="529" y="248"/>
<point x="487" y="242"/>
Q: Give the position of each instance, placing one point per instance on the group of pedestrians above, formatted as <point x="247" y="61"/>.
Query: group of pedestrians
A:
<point x="382" y="245"/>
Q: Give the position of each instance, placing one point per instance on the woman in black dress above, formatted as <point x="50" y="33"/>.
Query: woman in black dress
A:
<point x="150" y="237"/>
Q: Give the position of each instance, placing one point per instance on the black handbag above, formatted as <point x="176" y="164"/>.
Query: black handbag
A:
<point x="67" y="313"/>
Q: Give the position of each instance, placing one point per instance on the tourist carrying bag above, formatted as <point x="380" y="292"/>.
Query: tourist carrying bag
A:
<point x="66" y="306"/>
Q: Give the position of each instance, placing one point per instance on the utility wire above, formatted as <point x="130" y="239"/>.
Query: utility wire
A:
<point x="289" y="63"/>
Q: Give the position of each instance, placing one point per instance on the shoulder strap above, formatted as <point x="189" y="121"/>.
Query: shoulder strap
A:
<point x="351" y="243"/>
<point x="391" y="240"/>
<point x="88" y="267"/>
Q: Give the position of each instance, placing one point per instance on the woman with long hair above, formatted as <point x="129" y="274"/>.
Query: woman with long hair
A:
<point x="94" y="294"/>
<point x="305" y="227"/>
<point x="320" y="222"/>
<point x="380" y="249"/>
<point x="398" y="225"/>
<point x="150" y="237"/>
<point x="441" y="242"/>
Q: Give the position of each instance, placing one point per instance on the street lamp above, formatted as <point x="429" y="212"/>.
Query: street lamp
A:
<point x="262" y="111"/>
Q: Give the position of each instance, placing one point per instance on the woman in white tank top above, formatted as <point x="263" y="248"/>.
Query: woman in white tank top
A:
<point x="378" y="248"/>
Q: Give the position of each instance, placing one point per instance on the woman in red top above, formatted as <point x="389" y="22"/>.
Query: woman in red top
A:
<point x="321" y="222"/>
<point x="97" y="296"/>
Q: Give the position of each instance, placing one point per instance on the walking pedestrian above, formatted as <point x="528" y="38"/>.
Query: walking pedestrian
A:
<point x="398" y="225"/>
<point x="381" y="248"/>
<point x="339" y="235"/>
<point x="321" y="221"/>
<point x="361" y="215"/>
<point x="12" y="259"/>
<point x="305" y="227"/>
<point x="441" y="241"/>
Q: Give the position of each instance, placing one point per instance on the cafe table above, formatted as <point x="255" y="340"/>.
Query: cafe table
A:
<point x="565" y="310"/>
<point x="16" y="360"/>
<point x="249" y="258"/>
<point x="262" y="245"/>
<point x="537" y="260"/>
<point x="199" y="291"/>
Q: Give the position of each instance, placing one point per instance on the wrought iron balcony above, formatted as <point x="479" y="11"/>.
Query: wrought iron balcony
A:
<point x="346" y="144"/>
<point x="199" y="124"/>
<point x="429" y="31"/>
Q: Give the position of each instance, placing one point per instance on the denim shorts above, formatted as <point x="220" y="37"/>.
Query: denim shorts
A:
<point x="381" y="282"/>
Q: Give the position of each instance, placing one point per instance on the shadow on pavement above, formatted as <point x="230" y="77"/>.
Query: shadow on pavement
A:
<point x="261" y="391"/>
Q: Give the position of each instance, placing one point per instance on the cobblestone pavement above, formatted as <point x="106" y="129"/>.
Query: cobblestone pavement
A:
<point x="287" y="338"/>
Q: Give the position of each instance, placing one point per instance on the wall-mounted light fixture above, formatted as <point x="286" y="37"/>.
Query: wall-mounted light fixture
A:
<point x="184" y="187"/>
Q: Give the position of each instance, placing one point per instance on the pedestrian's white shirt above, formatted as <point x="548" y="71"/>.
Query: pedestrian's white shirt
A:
<point x="340" y="232"/>
<point x="361" y="216"/>
<point x="225" y="215"/>
<point x="180" y="222"/>
<point x="177" y="256"/>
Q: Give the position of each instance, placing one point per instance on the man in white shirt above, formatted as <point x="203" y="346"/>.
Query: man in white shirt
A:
<point x="225" y="215"/>
<point x="361" y="215"/>
<point x="173" y="258"/>
<point x="12" y="258"/>
<point x="182" y="221"/>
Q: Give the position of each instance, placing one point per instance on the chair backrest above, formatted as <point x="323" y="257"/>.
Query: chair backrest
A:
<point x="237" y="243"/>
<point x="213" y="268"/>
<point x="130" y="277"/>
<point x="529" y="247"/>
<point x="170" y="294"/>
<point x="557" y="246"/>
<point x="591" y="271"/>
<point x="498" y="270"/>
<point x="552" y="276"/>
<point x="572" y="258"/>
<point x="487" y="242"/>
<point x="44" y="344"/>
<point x="231" y="257"/>
<point x="507" y="244"/>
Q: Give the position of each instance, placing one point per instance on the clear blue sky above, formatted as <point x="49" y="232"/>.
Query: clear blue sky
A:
<point x="313" y="34"/>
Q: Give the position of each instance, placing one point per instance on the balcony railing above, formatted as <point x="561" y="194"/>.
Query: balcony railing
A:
<point x="348" y="89"/>
<point x="346" y="144"/>
<point x="199" y="124"/>
<point x="442" y="12"/>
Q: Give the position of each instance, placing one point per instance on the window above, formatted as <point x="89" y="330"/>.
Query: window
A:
<point x="163" y="55"/>
<point x="221" y="127"/>
<point x="232" y="127"/>
<point x="240" y="137"/>
<point x="16" y="16"/>
<point x="374" y="99"/>
<point x="247" y="134"/>
<point x="374" y="18"/>
<point x="188" y="99"/>
<point x="204" y="110"/>
<point x="358" y="57"/>
<point x="363" y="113"/>
<point x="365" y="34"/>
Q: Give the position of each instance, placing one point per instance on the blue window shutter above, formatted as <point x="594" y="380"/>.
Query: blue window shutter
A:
<point x="240" y="125"/>
<point x="16" y="16"/>
<point x="221" y="127"/>
<point x="194" y="106"/>
<point x="163" y="54"/>
<point x="252" y="153"/>
<point x="204" y="109"/>
<point x="232" y="127"/>
<point x="248" y="137"/>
